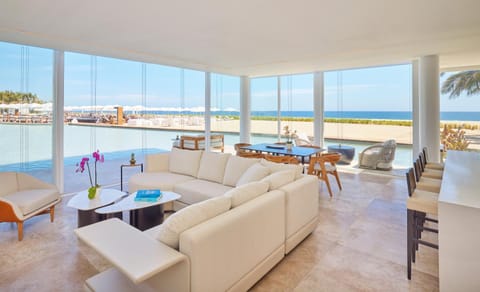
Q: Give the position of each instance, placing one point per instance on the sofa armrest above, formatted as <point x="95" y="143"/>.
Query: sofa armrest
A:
<point x="157" y="162"/>
<point x="301" y="199"/>
<point x="135" y="254"/>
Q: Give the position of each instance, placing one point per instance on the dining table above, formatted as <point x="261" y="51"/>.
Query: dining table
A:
<point x="280" y="149"/>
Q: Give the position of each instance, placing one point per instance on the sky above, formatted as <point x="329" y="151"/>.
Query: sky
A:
<point x="122" y="82"/>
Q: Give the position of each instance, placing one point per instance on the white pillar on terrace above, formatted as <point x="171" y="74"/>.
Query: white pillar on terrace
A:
<point x="279" y="108"/>
<point x="318" y="108"/>
<point x="429" y="91"/>
<point x="245" y="97"/>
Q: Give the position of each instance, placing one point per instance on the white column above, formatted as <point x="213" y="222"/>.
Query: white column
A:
<point x="57" y="124"/>
<point x="318" y="108"/>
<point x="416" y="122"/>
<point x="208" y="101"/>
<point x="429" y="85"/>
<point x="279" y="108"/>
<point x="245" y="97"/>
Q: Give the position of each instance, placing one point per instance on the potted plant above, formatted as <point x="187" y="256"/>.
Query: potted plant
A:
<point x="132" y="159"/>
<point x="95" y="188"/>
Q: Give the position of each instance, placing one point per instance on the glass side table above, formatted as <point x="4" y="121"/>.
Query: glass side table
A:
<point x="128" y="165"/>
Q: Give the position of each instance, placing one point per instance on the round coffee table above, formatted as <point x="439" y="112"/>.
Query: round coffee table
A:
<point x="86" y="207"/>
<point x="348" y="152"/>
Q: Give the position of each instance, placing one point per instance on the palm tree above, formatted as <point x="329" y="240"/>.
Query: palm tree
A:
<point x="468" y="81"/>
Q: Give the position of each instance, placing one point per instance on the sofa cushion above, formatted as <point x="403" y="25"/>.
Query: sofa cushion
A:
<point x="169" y="232"/>
<point x="279" y="178"/>
<point x="199" y="190"/>
<point x="212" y="166"/>
<point x="274" y="167"/>
<point x="236" y="166"/>
<point x="246" y="192"/>
<point x="254" y="173"/>
<point x="156" y="180"/>
<point x="184" y="161"/>
<point x="31" y="200"/>
<point x="8" y="181"/>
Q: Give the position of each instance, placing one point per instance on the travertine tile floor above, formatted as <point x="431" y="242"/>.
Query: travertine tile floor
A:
<point x="359" y="245"/>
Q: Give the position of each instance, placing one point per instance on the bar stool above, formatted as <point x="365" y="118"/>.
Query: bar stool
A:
<point x="419" y="203"/>
<point x="430" y="165"/>
<point x="430" y="173"/>
<point x="425" y="183"/>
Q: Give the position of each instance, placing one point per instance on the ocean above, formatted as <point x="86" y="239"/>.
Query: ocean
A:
<point x="377" y="115"/>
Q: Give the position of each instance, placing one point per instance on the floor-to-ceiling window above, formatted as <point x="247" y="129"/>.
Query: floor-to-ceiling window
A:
<point x="370" y="105"/>
<point x="26" y="110"/>
<point x="296" y="104"/>
<point x="264" y="110"/>
<point x="225" y="107"/>
<point x="460" y="110"/>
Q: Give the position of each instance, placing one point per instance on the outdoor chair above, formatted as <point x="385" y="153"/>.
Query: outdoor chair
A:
<point x="23" y="196"/>
<point x="378" y="156"/>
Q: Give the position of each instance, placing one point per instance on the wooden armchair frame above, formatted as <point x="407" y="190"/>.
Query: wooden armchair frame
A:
<point x="317" y="166"/>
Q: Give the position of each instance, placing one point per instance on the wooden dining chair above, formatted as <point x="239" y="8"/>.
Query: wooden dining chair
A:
<point x="238" y="148"/>
<point x="323" y="165"/>
<point x="250" y="154"/>
<point x="281" y="159"/>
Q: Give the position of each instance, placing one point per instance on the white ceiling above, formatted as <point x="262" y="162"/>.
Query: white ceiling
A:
<point x="253" y="38"/>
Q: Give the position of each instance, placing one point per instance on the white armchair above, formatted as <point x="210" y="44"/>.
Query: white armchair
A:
<point x="23" y="196"/>
<point x="378" y="156"/>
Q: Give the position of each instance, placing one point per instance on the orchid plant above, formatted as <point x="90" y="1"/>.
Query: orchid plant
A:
<point x="98" y="158"/>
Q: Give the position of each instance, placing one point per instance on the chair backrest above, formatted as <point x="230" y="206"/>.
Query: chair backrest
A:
<point x="424" y="151"/>
<point x="317" y="167"/>
<point x="418" y="172"/>
<point x="411" y="184"/>
<point x="281" y="159"/>
<point x="389" y="148"/>
<point x="8" y="182"/>
<point x="302" y="142"/>
<point x="239" y="145"/>
<point x="421" y="162"/>
<point x="250" y="154"/>
<point x="331" y="157"/>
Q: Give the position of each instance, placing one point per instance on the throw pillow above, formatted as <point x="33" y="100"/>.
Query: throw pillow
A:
<point x="246" y="192"/>
<point x="169" y="232"/>
<point x="254" y="173"/>
<point x="236" y="166"/>
<point x="279" y="178"/>
<point x="184" y="161"/>
<point x="212" y="166"/>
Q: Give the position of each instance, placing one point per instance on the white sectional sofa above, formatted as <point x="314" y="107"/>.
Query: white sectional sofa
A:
<point x="237" y="218"/>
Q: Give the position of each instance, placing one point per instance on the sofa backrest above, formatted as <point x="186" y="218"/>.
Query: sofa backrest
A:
<point x="8" y="183"/>
<point x="169" y="232"/>
<point x="212" y="166"/>
<point x="235" y="168"/>
<point x="274" y="167"/>
<point x="184" y="162"/>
